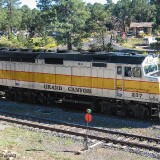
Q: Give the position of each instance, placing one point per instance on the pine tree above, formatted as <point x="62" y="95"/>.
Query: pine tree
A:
<point x="67" y="18"/>
<point x="12" y="14"/>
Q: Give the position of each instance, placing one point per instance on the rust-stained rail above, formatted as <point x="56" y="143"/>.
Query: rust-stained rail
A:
<point x="95" y="133"/>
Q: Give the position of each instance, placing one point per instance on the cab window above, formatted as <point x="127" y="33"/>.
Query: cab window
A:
<point x="137" y="72"/>
<point x="150" y="68"/>
<point x="119" y="70"/>
<point x="127" y="72"/>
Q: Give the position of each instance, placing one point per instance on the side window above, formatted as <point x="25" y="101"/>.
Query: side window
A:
<point x="119" y="70"/>
<point x="137" y="72"/>
<point x="127" y="72"/>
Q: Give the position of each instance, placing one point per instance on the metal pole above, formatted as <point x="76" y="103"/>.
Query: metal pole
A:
<point x="86" y="139"/>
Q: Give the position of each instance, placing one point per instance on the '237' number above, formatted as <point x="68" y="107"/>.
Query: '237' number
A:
<point x="137" y="95"/>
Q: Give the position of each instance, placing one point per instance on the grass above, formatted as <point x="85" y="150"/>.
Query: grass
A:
<point x="16" y="136"/>
<point x="132" y="42"/>
<point x="29" y="144"/>
<point x="37" y="145"/>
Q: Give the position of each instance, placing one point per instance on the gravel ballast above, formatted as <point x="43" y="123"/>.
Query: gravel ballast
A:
<point x="145" y="128"/>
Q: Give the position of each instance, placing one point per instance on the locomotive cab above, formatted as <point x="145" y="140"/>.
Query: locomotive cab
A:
<point x="151" y="65"/>
<point x="151" y="71"/>
<point x="138" y="85"/>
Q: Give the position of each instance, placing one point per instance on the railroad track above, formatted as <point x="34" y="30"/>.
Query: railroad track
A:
<point x="104" y="135"/>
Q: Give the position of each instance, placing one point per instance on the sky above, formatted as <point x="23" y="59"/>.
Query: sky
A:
<point x="32" y="3"/>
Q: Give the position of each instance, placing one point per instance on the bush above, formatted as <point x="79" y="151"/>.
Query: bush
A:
<point x="120" y="40"/>
<point x="155" y="46"/>
<point x="108" y="47"/>
<point x="94" y="47"/>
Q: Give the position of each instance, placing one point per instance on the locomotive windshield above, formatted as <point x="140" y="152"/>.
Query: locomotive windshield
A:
<point x="150" y="68"/>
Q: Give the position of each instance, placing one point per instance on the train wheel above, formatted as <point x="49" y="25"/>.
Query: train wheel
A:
<point x="146" y="114"/>
<point x="41" y="98"/>
<point x="49" y="99"/>
<point x="19" y="96"/>
<point x="121" y="108"/>
<point x="141" y="111"/>
<point x="96" y="106"/>
<point x="105" y="107"/>
<point x="10" y="95"/>
<point x="33" y="98"/>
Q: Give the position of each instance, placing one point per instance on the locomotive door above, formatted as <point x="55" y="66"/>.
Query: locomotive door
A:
<point x="119" y="82"/>
<point x="97" y="82"/>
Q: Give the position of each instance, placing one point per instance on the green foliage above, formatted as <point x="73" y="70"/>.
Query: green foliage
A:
<point x="127" y="11"/>
<point x="99" y="16"/>
<point x="3" y="17"/>
<point x="94" y="47"/>
<point x="4" y="42"/>
<point x="122" y="9"/>
<point x="107" y="47"/>
<point x="73" y="20"/>
<point x="70" y="21"/>
<point x="143" y="11"/>
<point x="22" y="39"/>
<point x="30" y="44"/>
<point x="144" y="53"/>
<point x="132" y="43"/>
<point x="26" y="17"/>
<point x="97" y="21"/>
<point x="156" y="46"/>
<point x="45" y="5"/>
<point x="157" y="31"/>
<point x="36" y="43"/>
<point x="122" y="12"/>
<point x="120" y="40"/>
<point x="50" y="43"/>
<point x="13" y="16"/>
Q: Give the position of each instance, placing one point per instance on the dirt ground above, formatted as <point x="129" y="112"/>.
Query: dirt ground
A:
<point x="21" y="144"/>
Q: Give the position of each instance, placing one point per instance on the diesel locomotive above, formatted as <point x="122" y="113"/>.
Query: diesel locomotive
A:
<point x="115" y="82"/>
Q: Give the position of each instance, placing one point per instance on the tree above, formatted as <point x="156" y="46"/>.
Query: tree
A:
<point x="109" y="6"/>
<point x="3" y="17"/>
<point x="99" y="17"/>
<point x="45" y="5"/>
<point x="157" y="16"/>
<point x="1" y="3"/>
<point x="156" y="45"/>
<point x="143" y="11"/>
<point x="122" y="14"/>
<point x="36" y="24"/>
<point x="69" y="20"/>
<point x="12" y="14"/>
<point x="26" y="17"/>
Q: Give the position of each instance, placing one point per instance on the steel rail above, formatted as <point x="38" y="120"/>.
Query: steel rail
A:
<point x="151" y="139"/>
<point x="105" y="139"/>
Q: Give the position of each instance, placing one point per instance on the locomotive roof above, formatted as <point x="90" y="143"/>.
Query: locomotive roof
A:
<point x="112" y="57"/>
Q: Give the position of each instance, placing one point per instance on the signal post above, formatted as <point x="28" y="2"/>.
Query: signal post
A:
<point x="88" y="118"/>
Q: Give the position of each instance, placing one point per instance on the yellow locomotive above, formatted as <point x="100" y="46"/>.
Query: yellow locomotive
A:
<point x="119" y="83"/>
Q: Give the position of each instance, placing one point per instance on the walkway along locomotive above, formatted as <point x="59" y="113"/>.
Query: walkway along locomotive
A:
<point x="119" y="83"/>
